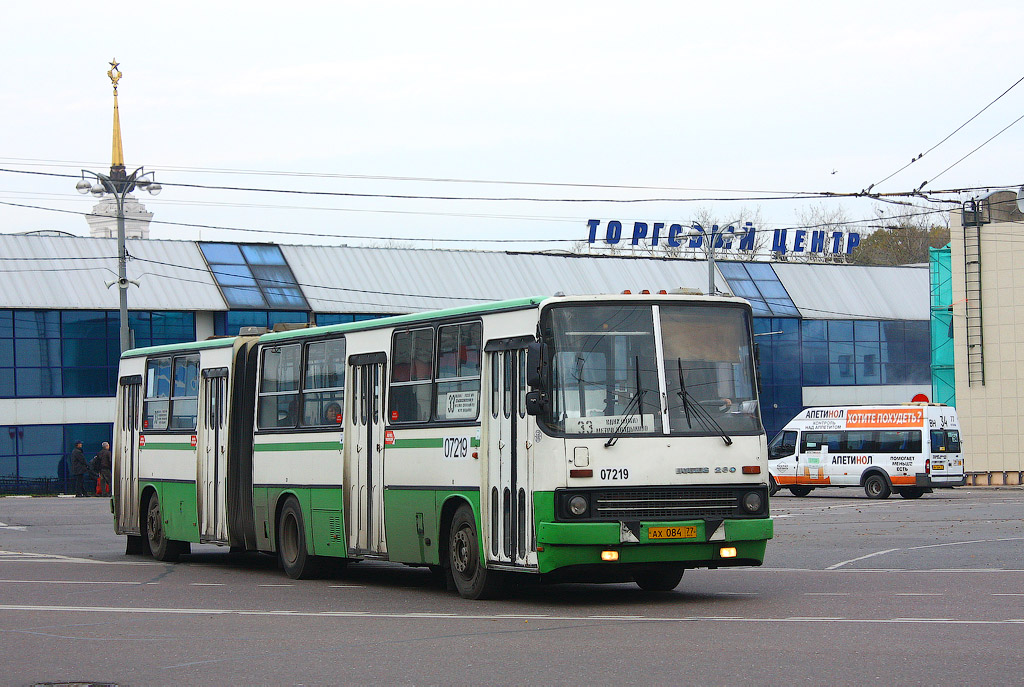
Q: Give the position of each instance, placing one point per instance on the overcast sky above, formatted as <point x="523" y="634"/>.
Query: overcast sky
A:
<point x="693" y="100"/>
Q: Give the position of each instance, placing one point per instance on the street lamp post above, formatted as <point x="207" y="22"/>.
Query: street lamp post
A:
<point x="711" y="238"/>
<point x="118" y="185"/>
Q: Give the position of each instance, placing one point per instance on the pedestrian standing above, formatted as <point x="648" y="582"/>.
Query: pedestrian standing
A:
<point x="103" y="467"/>
<point x="79" y="468"/>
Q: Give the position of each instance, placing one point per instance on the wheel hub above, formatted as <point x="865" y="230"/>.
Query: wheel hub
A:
<point x="460" y="552"/>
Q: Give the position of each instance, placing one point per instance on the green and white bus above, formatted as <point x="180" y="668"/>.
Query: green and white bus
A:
<point x="601" y="438"/>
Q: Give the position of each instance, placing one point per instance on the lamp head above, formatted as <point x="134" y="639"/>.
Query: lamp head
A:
<point x="83" y="186"/>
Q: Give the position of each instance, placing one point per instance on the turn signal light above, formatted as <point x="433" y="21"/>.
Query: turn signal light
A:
<point x="610" y="556"/>
<point x="581" y="472"/>
<point x="727" y="552"/>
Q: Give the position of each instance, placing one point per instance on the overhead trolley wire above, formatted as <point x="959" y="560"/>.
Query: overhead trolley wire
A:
<point x="950" y="135"/>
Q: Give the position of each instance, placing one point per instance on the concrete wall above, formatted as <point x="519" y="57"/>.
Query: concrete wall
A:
<point x="990" y="413"/>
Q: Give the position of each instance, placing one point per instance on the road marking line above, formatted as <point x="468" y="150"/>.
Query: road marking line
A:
<point x="918" y="594"/>
<point x="137" y="584"/>
<point x="276" y="585"/>
<point x="460" y="616"/>
<point x="16" y="528"/>
<point x="958" y="543"/>
<point x="860" y="558"/>
<point x="206" y="584"/>
<point x="826" y="593"/>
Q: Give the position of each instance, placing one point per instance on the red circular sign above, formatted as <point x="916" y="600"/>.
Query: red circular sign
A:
<point x="920" y="398"/>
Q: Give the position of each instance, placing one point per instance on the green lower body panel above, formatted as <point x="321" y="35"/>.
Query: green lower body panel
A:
<point x="322" y="513"/>
<point x="177" y="508"/>
<point x="413" y="519"/>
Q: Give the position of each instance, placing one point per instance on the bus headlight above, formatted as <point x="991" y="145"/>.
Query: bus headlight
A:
<point x="578" y="505"/>
<point x="752" y="502"/>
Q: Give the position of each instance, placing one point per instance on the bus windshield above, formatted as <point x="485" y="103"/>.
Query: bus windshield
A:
<point x="650" y="369"/>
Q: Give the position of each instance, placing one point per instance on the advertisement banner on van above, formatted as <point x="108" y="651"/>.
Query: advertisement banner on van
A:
<point x="882" y="418"/>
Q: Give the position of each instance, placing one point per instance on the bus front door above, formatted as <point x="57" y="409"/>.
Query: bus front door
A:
<point x="508" y="501"/>
<point x="212" y="462"/>
<point x="365" y="508"/>
<point x="126" y="456"/>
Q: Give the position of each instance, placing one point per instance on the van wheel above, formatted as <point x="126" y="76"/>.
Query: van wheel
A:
<point x="801" y="491"/>
<point x="773" y="486"/>
<point x="911" y="492"/>
<point x="876" y="487"/>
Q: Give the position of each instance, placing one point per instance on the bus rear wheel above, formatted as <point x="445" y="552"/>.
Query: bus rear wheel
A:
<point x="876" y="487"/>
<point x="162" y="548"/>
<point x="472" y="579"/>
<point x="801" y="491"/>
<point x="292" y="551"/>
<point x="663" y="579"/>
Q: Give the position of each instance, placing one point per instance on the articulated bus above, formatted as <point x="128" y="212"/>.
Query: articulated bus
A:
<point x="595" y="438"/>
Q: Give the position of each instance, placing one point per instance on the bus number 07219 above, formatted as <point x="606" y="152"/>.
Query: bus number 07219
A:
<point x="614" y="473"/>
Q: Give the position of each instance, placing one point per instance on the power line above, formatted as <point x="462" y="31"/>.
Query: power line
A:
<point x="950" y="135"/>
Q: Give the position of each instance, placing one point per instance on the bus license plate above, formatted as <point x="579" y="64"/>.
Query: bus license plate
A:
<point x="685" y="532"/>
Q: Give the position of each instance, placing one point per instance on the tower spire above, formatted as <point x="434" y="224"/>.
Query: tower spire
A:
<point x="117" y="152"/>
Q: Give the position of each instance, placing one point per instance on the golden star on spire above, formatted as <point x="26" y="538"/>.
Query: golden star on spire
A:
<point x="114" y="73"/>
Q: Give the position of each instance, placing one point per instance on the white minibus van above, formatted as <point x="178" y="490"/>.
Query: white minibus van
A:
<point x="910" y="449"/>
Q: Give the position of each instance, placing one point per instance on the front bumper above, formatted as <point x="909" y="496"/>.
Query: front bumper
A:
<point x="561" y="544"/>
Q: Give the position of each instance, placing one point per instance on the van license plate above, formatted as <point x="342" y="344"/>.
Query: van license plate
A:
<point x="685" y="532"/>
<point x="938" y="467"/>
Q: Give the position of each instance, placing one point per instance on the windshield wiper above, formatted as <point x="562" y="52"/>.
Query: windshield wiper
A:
<point x="635" y="403"/>
<point x="704" y="418"/>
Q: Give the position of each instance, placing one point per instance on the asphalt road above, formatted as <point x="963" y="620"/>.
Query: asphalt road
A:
<point x="854" y="591"/>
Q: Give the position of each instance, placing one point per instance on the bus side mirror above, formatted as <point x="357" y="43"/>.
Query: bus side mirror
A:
<point x="536" y="365"/>
<point x="536" y="403"/>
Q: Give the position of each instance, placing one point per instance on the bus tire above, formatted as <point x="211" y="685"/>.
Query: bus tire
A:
<point x="472" y="579"/>
<point x="292" y="551"/>
<point x="662" y="579"/>
<point x="876" y="486"/>
<point x="911" y="492"/>
<point x="162" y="548"/>
<point x="773" y="486"/>
<point x="801" y="491"/>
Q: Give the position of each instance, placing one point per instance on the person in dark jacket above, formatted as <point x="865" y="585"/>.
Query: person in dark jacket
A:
<point x="79" y="468"/>
<point x="101" y="465"/>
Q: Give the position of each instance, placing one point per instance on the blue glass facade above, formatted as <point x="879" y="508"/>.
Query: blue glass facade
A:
<point x="35" y="458"/>
<point x="74" y="353"/>
<point x="796" y="353"/>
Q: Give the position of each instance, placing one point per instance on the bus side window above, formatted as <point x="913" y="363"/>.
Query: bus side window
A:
<point x="938" y="441"/>
<point x="783" y="446"/>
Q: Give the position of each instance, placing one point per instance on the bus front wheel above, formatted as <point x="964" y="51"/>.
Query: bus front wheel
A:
<point x="292" y="551"/>
<point x="472" y="579"/>
<point x="659" y="579"/>
<point x="876" y="487"/>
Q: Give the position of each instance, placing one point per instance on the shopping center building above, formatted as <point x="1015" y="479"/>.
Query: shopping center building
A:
<point x="826" y="333"/>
